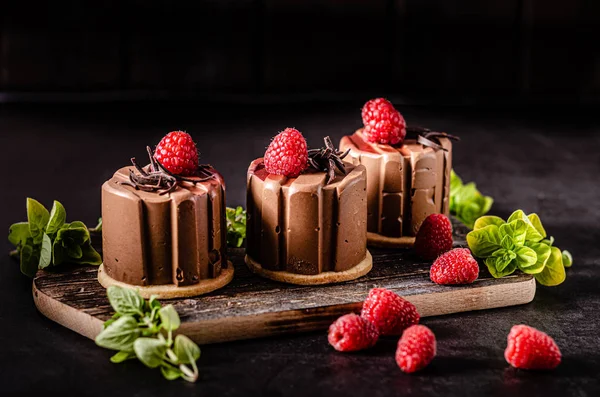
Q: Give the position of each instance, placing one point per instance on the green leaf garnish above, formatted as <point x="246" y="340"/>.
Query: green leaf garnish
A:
<point x="554" y="271"/>
<point x="236" y="226"/>
<point x="144" y="330"/>
<point x="567" y="258"/>
<point x="466" y="202"/>
<point x="485" y="241"/>
<point x="46" y="240"/>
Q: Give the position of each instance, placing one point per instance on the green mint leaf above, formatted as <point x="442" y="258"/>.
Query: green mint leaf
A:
<point x="236" y="226"/>
<point x="537" y="224"/>
<point x="58" y="253"/>
<point x="483" y="242"/>
<point x="122" y="356"/>
<point x="493" y="262"/>
<point x="567" y="258"/>
<point x="70" y="236"/>
<point x="554" y="271"/>
<point x="170" y="372"/>
<point x="169" y="318"/>
<point x="150" y="351"/>
<point x="111" y="320"/>
<point x="532" y="233"/>
<point x="455" y="181"/>
<point x="527" y="260"/>
<point x="45" y="252"/>
<point x="186" y="350"/>
<point x="507" y="242"/>
<point x="503" y="259"/>
<point x="125" y="300"/>
<point x="488" y="220"/>
<point x="542" y="252"/>
<point x="486" y="204"/>
<point x="37" y="216"/>
<point x="548" y="241"/>
<point x="120" y="335"/>
<point x="153" y="303"/>
<point x="30" y="258"/>
<point x="89" y="256"/>
<point x="74" y="252"/>
<point x="98" y="227"/>
<point x="58" y="216"/>
<point x="18" y="233"/>
<point x="517" y="229"/>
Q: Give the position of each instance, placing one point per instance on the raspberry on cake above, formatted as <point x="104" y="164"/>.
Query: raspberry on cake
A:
<point x="306" y="224"/>
<point x="383" y="123"/>
<point x="165" y="234"/>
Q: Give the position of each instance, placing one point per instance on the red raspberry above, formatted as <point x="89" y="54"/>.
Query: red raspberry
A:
<point x="177" y="153"/>
<point x="389" y="312"/>
<point x="287" y="154"/>
<point x="416" y="349"/>
<point x="434" y="237"/>
<point x="529" y="348"/>
<point x="454" y="267"/>
<point x="352" y="332"/>
<point x="383" y="123"/>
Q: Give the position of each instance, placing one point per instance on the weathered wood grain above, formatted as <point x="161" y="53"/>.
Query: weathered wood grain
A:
<point x="252" y="307"/>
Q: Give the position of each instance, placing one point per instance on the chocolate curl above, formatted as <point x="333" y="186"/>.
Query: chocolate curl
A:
<point x="428" y="138"/>
<point x="328" y="159"/>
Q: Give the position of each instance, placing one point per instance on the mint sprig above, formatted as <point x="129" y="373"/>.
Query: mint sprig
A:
<point x="47" y="240"/>
<point x="144" y="330"/>
<point x="518" y="243"/>
<point x="236" y="226"/>
<point x="466" y="202"/>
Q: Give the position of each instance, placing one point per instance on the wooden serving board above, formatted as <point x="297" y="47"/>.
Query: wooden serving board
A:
<point x="252" y="307"/>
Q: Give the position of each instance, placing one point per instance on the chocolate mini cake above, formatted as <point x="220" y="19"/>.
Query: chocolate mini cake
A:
<point x="310" y="228"/>
<point x="168" y="241"/>
<point x="405" y="184"/>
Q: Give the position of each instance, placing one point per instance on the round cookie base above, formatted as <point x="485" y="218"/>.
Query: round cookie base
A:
<point x="171" y="291"/>
<point x="362" y="268"/>
<point x="377" y="240"/>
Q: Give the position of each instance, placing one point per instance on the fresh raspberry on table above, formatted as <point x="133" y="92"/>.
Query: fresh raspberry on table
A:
<point x="434" y="237"/>
<point x="351" y="332"/>
<point x="529" y="348"/>
<point x="287" y="154"/>
<point x="390" y="313"/>
<point x="454" y="267"/>
<point x="177" y="152"/>
<point x="416" y="349"/>
<point x="383" y="123"/>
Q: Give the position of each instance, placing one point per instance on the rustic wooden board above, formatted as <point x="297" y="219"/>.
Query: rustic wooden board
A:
<point x="252" y="307"/>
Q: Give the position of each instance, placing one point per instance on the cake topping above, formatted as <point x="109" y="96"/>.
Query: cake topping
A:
<point x="177" y="153"/>
<point x="383" y="123"/>
<point x="157" y="178"/>
<point x="287" y="154"/>
<point x="327" y="159"/>
<point x="426" y="137"/>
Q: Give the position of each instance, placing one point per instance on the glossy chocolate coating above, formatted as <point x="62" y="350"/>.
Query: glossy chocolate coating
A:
<point x="404" y="184"/>
<point x="151" y="239"/>
<point x="303" y="225"/>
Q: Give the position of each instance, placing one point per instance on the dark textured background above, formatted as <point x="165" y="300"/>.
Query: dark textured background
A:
<point x="542" y="160"/>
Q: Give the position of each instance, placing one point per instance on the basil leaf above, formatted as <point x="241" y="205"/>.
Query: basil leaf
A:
<point x="532" y="233"/>
<point x="488" y="220"/>
<point x="486" y="206"/>
<point x="125" y="300"/>
<point x="37" y="216"/>
<point x="492" y="263"/>
<point x="30" y="258"/>
<point x="120" y="335"/>
<point x="554" y="271"/>
<point x="18" y="233"/>
<point x="548" y="241"/>
<point x="58" y="215"/>
<point x="73" y="235"/>
<point x="186" y="350"/>
<point x="45" y="252"/>
<point x="153" y="303"/>
<point x="89" y="256"/>
<point x="517" y="229"/>
<point x="58" y="253"/>
<point x="567" y="258"/>
<point x="455" y="181"/>
<point x="542" y="252"/>
<point x="503" y="258"/>
<point x="122" y="356"/>
<point x="150" y="351"/>
<point x="527" y="260"/>
<point x="507" y="242"/>
<point x="170" y="372"/>
<point x="537" y="224"/>
<point x="169" y="318"/>
<point x="483" y="242"/>
<point x="74" y="252"/>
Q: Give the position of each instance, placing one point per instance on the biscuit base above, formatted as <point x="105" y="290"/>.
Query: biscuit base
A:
<point x="362" y="268"/>
<point x="171" y="291"/>
<point x="377" y="240"/>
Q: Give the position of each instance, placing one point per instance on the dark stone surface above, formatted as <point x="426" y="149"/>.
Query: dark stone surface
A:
<point x="543" y="162"/>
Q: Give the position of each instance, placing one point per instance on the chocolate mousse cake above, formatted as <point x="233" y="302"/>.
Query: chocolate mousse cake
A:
<point x="164" y="234"/>
<point x="406" y="181"/>
<point x="309" y="226"/>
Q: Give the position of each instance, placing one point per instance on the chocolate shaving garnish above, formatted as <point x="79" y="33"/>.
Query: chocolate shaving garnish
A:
<point x="426" y="137"/>
<point x="158" y="179"/>
<point x="327" y="159"/>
